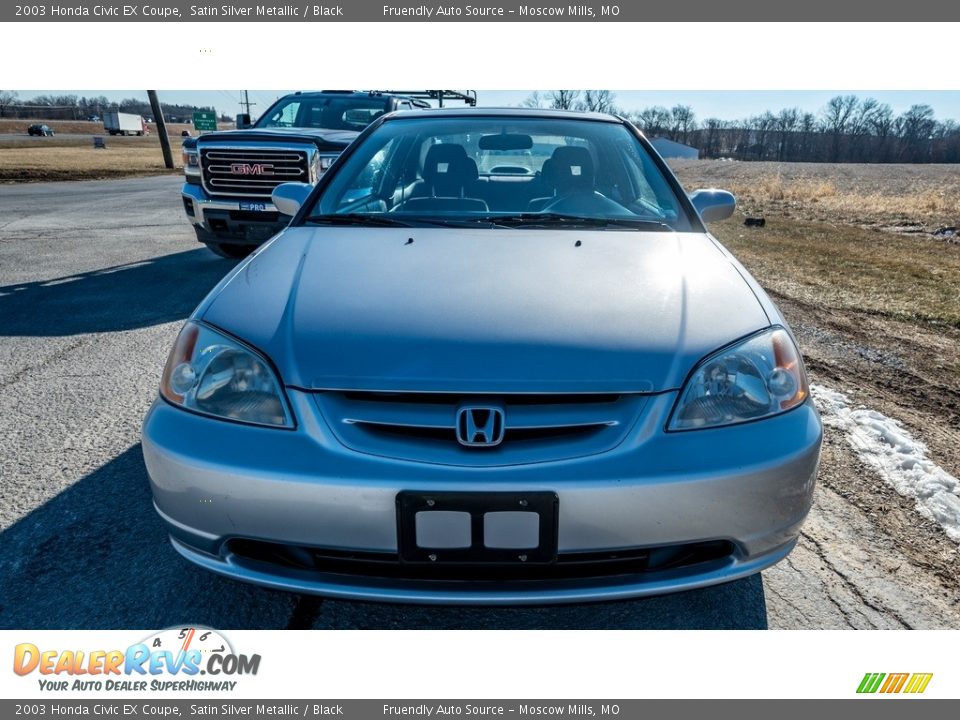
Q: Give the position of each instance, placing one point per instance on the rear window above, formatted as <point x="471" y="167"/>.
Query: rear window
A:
<point x="331" y="112"/>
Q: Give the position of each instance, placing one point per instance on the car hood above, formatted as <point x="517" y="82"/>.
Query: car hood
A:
<point x="486" y="310"/>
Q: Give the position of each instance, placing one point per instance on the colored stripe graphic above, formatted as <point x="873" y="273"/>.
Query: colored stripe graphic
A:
<point x="870" y="682"/>
<point x="894" y="683"/>
<point x="918" y="682"/>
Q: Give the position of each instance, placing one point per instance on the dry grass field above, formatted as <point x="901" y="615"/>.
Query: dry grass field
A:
<point x="857" y="238"/>
<point x="70" y="155"/>
<point x="851" y="269"/>
<point x="123" y="157"/>
<point x="900" y="198"/>
<point x="10" y="126"/>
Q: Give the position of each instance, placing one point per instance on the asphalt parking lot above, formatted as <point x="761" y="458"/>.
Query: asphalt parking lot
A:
<point x="95" y="280"/>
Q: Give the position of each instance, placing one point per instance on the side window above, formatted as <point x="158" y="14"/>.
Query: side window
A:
<point x="647" y="191"/>
<point x="287" y="116"/>
<point x="367" y="182"/>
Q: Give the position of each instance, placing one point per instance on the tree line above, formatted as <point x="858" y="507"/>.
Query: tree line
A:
<point x="72" y="107"/>
<point x="848" y="129"/>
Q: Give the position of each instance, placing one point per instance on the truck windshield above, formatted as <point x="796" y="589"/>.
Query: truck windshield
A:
<point x="512" y="171"/>
<point x="331" y="112"/>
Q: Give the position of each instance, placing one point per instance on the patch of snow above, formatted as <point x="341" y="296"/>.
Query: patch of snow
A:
<point x="900" y="459"/>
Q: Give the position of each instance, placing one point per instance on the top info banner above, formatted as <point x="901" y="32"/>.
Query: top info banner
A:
<point x="742" y="11"/>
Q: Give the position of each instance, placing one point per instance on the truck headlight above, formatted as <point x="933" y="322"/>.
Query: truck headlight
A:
<point x="319" y="165"/>
<point x="755" y="378"/>
<point x="212" y="374"/>
<point x="191" y="161"/>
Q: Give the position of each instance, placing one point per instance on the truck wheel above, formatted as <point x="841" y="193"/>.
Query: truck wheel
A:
<point x="231" y="250"/>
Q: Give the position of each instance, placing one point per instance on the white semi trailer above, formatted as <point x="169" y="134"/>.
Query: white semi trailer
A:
<point x="118" y="123"/>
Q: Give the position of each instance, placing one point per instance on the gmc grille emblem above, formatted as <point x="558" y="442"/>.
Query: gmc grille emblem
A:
<point x="480" y="426"/>
<point x="251" y="169"/>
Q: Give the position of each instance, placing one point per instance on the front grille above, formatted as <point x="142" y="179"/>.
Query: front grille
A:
<point x="253" y="173"/>
<point x="569" y="566"/>
<point x="423" y="426"/>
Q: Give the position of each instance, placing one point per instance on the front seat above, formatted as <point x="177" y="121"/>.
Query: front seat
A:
<point x="569" y="171"/>
<point x="548" y="180"/>
<point x="573" y="175"/>
<point x="448" y="173"/>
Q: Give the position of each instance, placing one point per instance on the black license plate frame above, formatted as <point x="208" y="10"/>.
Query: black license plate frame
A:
<point x="544" y="503"/>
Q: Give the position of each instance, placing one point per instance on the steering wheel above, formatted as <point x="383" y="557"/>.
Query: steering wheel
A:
<point x="584" y="202"/>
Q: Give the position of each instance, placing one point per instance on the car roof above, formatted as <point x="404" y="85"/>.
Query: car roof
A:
<point x="506" y="112"/>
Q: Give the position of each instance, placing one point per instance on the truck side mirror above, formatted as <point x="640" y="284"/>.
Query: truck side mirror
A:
<point x="243" y="121"/>
<point x="713" y="204"/>
<point x="290" y="197"/>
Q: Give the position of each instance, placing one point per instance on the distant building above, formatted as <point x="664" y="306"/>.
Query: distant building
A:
<point x="669" y="149"/>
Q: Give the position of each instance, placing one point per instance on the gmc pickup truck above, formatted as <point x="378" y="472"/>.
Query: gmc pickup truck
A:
<point x="231" y="174"/>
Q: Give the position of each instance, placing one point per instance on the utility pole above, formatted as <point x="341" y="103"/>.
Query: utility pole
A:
<point x="246" y="102"/>
<point x="161" y="129"/>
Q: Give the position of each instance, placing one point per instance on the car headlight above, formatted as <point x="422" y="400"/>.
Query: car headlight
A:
<point x="212" y="374"/>
<point x="755" y="378"/>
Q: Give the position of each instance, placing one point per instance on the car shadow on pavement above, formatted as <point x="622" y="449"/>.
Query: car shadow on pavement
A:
<point x="123" y="297"/>
<point x="96" y="556"/>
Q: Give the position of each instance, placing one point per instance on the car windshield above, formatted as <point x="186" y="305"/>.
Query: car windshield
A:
<point x="501" y="172"/>
<point x="331" y="112"/>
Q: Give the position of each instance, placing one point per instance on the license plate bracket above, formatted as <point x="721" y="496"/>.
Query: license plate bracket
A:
<point x="477" y="505"/>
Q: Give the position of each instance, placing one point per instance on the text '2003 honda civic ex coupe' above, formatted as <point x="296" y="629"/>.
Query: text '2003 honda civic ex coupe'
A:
<point x="496" y="357"/>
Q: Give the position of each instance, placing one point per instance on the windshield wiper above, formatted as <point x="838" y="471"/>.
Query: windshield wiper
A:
<point x="572" y="221"/>
<point x="369" y="220"/>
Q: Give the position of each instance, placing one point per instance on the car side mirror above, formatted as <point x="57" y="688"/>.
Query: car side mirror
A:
<point x="290" y="197"/>
<point x="713" y="204"/>
<point x="243" y="121"/>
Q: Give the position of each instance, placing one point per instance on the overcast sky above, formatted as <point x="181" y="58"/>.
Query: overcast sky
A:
<point x="726" y="105"/>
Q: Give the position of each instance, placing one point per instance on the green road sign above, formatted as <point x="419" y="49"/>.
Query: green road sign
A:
<point x="205" y="121"/>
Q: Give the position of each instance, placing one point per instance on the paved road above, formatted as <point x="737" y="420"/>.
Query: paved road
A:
<point x="95" y="279"/>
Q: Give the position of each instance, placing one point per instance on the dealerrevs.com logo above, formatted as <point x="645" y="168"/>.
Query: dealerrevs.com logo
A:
<point x="171" y="659"/>
<point x="890" y="683"/>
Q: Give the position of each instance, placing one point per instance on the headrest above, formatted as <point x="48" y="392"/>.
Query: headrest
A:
<point x="547" y="174"/>
<point x="448" y="169"/>
<point x="571" y="168"/>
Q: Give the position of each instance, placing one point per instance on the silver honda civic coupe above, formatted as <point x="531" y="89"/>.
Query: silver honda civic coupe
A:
<point x="495" y="358"/>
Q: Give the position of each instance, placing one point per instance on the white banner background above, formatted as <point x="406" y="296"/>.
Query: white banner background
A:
<point x="535" y="664"/>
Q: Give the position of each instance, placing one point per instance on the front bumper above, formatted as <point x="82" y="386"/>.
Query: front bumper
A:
<point x="216" y="483"/>
<point x="220" y="219"/>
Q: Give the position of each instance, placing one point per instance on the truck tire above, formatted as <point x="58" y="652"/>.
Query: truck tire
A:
<point x="231" y="251"/>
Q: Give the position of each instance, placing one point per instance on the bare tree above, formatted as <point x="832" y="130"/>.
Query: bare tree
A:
<point x="836" y="118"/>
<point x="916" y="127"/>
<point x="711" y="145"/>
<point x="682" y="122"/>
<point x="786" y="125"/>
<point x="534" y="100"/>
<point x="7" y="97"/>
<point x="654" y="121"/>
<point x="763" y="126"/>
<point x="599" y="101"/>
<point x="564" y="99"/>
<point x="881" y="127"/>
